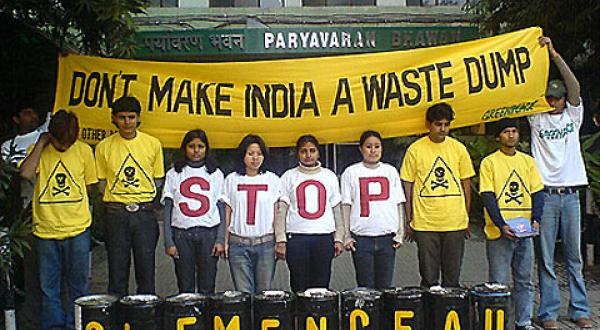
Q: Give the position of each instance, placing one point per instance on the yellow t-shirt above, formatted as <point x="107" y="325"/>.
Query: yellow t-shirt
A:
<point x="513" y="179"/>
<point x="60" y="200"/>
<point x="436" y="170"/>
<point x="129" y="167"/>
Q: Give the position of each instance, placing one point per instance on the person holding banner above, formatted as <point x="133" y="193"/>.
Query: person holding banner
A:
<point x="65" y="169"/>
<point x="557" y="152"/>
<point x="512" y="192"/>
<point x="373" y="212"/>
<point x="193" y="229"/>
<point x="311" y="216"/>
<point x="436" y="172"/>
<point x="130" y="167"/>
<point x="250" y="195"/>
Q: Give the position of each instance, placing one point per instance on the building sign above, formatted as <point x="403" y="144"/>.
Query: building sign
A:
<point x="302" y="40"/>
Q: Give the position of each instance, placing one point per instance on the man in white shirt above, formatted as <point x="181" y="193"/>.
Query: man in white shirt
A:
<point x="555" y="147"/>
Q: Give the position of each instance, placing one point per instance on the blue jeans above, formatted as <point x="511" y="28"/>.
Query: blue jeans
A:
<point x="309" y="259"/>
<point x="561" y="217"/>
<point x="196" y="267"/>
<point x="252" y="266"/>
<point x="55" y="257"/>
<point x="504" y="254"/>
<point x="374" y="260"/>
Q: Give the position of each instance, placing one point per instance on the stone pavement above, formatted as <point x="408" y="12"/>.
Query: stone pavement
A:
<point x="406" y="274"/>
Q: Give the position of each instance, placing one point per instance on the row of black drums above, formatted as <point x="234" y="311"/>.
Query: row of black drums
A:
<point x="484" y="307"/>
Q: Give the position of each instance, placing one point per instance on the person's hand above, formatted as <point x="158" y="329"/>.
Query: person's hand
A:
<point x="545" y="41"/>
<point x="467" y="233"/>
<point x="536" y="226"/>
<point x="409" y="234"/>
<point x="172" y="252"/>
<point x="350" y="245"/>
<point x="397" y="245"/>
<point x="225" y="253"/>
<point x="339" y="248"/>
<point x="280" y="250"/>
<point x="508" y="233"/>
<point x="44" y="139"/>
<point x="218" y="250"/>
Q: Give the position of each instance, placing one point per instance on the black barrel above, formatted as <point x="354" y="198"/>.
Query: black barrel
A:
<point x="230" y="310"/>
<point x="361" y="309"/>
<point x="274" y="310"/>
<point x="403" y="307"/>
<point x="318" y="308"/>
<point x="491" y="306"/>
<point x="189" y="310"/>
<point x="96" y="312"/>
<point x="448" y="308"/>
<point x="140" y="312"/>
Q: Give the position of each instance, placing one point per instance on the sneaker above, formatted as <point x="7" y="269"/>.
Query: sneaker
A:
<point x="550" y="324"/>
<point x="584" y="322"/>
<point x="524" y="327"/>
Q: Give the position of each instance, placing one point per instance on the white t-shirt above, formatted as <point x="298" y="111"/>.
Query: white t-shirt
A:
<point x="555" y="146"/>
<point x="374" y="195"/>
<point x="195" y="193"/>
<point x="311" y="198"/>
<point x="252" y="200"/>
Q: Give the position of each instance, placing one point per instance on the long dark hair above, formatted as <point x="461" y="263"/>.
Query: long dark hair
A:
<point x="249" y="139"/>
<point x="367" y="134"/>
<point x="209" y="159"/>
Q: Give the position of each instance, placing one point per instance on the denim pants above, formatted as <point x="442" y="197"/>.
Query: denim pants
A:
<point x="503" y="255"/>
<point x="309" y="259"/>
<point x="374" y="260"/>
<point x="195" y="268"/>
<point x="561" y="218"/>
<point x="252" y="266"/>
<point x="440" y="251"/>
<point x="58" y="257"/>
<point x="125" y="232"/>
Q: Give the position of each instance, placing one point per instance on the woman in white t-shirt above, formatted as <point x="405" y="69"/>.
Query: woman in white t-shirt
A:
<point x="372" y="198"/>
<point x="310" y="214"/>
<point x="250" y="195"/>
<point x="192" y="226"/>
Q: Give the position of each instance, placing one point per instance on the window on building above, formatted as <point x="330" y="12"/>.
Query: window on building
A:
<point x="164" y="3"/>
<point x="324" y="3"/>
<point x="428" y="3"/>
<point x="245" y="3"/>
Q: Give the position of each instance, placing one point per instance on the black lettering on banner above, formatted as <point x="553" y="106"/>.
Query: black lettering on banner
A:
<point x="488" y="82"/>
<point x="202" y="98"/>
<point x="96" y="134"/>
<point x="95" y="88"/>
<point x="77" y="81"/>
<point x="427" y="71"/>
<point x="281" y="89"/>
<point x="158" y="92"/>
<point x="127" y="79"/>
<point x="411" y="85"/>
<point x="343" y="88"/>
<point x="523" y="63"/>
<point x="393" y="91"/>
<point x="221" y="97"/>
<point x="473" y="87"/>
<point x="93" y="79"/>
<point x="506" y="66"/>
<point x="308" y="100"/>
<point x="107" y="90"/>
<point x="256" y="96"/>
<point x="374" y="88"/>
<point x="184" y="87"/>
<point x="444" y="81"/>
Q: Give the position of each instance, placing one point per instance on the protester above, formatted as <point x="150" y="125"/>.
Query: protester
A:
<point x="64" y="168"/>
<point x="311" y="230"/>
<point x="130" y="167"/>
<point x="193" y="229"/>
<point x="556" y="150"/>
<point x="511" y="187"/>
<point x="436" y="172"/>
<point x="373" y="213"/>
<point x="250" y="195"/>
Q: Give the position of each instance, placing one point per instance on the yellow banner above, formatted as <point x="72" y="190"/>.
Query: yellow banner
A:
<point x="334" y="98"/>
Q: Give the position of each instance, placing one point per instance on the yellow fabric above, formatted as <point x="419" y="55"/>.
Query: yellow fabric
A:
<point x="330" y="97"/>
<point x="513" y="179"/>
<point x="436" y="169"/>
<point x="60" y="200"/>
<point x="130" y="167"/>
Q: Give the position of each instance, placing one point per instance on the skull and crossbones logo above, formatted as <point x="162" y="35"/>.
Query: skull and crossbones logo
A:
<point x="513" y="194"/>
<point x="61" y="185"/>
<point x="440" y="180"/>
<point x="130" y="179"/>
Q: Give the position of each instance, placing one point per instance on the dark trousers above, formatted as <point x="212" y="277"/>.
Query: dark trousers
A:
<point x="309" y="258"/>
<point x="196" y="268"/>
<point x="440" y="251"/>
<point x="374" y="260"/>
<point x="125" y="232"/>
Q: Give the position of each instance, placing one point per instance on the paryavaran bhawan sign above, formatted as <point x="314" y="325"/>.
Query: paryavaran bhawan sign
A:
<point x="334" y="98"/>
